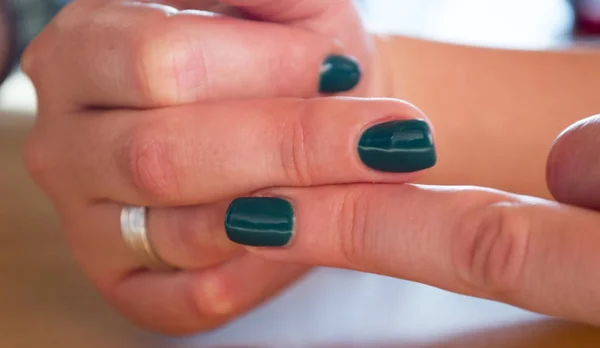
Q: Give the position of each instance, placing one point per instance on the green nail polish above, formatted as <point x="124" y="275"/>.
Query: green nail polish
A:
<point x="260" y="222"/>
<point x="339" y="74"/>
<point x="398" y="147"/>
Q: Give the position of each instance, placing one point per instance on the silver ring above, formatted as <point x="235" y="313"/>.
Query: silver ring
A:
<point x="135" y="234"/>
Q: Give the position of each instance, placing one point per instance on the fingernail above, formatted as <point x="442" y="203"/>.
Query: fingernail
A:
<point x="339" y="74"/>
<point x="260" y="222"/>
<point x="398" y="147"/>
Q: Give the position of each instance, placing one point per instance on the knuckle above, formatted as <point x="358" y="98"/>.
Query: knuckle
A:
<point x="353" y="210"/>
<point x="297" y="159"/>
<point x="215" y="296"/>
<point x="490" y="246"/>
<point x="150" y="163"/>
<point x="171" y="69"/>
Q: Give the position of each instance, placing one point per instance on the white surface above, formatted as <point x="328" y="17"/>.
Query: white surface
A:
<point x="341" y="307"/>
<point x="528" y="24"/>
<point x="17" y="95"/>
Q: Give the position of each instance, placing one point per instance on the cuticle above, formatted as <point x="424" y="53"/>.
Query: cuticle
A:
<point x="379" y="121"/>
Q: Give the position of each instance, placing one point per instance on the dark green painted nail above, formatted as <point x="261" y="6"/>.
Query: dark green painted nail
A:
<point x="398" y="147"/>
<point x="339" y="74"/>
<point x="260" y="222"/>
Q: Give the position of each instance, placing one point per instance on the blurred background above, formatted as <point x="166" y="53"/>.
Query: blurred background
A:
<point x="513" y="23"/>
<point x="508" y="23"/>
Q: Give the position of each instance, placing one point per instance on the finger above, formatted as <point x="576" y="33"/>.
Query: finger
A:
<point x="190" y="302"/>
<point x="573" y="166"/>
<point x="180" y="156"/>
<point x="527" y="252"/>
<point x="187" y="301"/>
<point x="146" y="55"/>
<point x="336" y="19"/>
<point x="189" y="238"/>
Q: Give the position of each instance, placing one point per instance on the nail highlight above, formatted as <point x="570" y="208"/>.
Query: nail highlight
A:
<point x="401" y="146"/>
<point x="260" y="222"/>
<point x="339" y="74"/>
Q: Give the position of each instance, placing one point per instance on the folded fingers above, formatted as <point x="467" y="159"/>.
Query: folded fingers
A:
<point x="143" y="55"/>
<point x="214" y="281"/>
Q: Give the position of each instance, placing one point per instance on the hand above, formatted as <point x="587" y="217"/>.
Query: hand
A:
<point x="536" y="254"/>
<point x="182" y="111"/>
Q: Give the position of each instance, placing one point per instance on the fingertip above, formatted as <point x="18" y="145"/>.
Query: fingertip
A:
<point x="398" y="146"/>
<point x="571" y="168"/>
<point x="339" y="73"/>
<point x="213" y="296"/>
<point x="260" y="221"/>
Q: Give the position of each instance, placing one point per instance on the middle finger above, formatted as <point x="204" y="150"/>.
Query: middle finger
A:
<point x="215" y="151"/>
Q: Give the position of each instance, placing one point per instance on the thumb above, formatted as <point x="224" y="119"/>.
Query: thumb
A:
<point x="531" y="253"/>
<point x="573" y="168"/>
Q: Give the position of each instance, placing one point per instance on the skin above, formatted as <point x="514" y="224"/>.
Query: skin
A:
<point x="498" y="112"/>
<point x="533" y="253"/>
<point x="138" y="100"/>
<point x="150" y="106"/>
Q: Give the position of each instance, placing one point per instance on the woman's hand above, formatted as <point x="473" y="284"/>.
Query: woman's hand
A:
<point x="528" y="252"/>
<point x="182" y="111"/>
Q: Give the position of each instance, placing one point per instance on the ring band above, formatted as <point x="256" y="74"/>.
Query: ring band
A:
<point x="133" y="229"/>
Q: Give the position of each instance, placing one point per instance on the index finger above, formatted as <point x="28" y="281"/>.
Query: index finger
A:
<point x="528" y="252"/>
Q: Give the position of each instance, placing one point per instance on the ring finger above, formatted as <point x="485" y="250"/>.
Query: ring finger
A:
<point x="185" y="238"/>
<point x="186" y="301"/>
